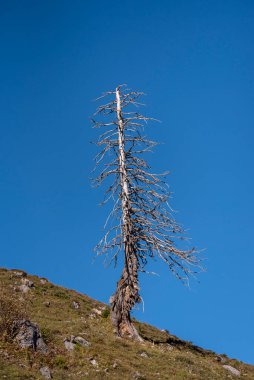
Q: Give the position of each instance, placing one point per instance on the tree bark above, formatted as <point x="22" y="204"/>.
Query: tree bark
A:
<point x="127" y="292"/>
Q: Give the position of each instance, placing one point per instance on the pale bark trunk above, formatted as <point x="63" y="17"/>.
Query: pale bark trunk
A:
<point x="127" y="292"/>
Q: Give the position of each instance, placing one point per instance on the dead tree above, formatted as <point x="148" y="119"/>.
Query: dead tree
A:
<point x="143" y="225"/>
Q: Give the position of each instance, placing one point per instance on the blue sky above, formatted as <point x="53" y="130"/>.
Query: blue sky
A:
<point x="194" y="60"/>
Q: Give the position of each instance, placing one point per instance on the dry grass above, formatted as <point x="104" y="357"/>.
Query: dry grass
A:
<point x="12" y="309"/>
<point x="167" y="357"/>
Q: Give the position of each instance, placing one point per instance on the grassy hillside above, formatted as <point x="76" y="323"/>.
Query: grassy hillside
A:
<point x="62" y="313"/>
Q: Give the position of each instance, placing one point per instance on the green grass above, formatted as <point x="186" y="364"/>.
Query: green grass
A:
<point x="168" y="357"/>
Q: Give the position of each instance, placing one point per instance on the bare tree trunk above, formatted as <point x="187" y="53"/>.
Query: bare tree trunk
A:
<point x="127" y="292"/>
<point x="147" y="228"/>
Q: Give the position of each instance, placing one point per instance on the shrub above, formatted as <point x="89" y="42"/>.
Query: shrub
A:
<point x="61" y="294"/>
<point x="47" y="334"/>
<point x="61" y="362"/>
<point x="106" y="312"/>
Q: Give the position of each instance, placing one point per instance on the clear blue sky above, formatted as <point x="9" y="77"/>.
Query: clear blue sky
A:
<point x="195" y="61"/>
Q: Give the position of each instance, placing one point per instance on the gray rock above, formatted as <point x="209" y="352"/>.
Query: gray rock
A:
<point x="144" y="355"/>
<point x="46" y="303"/>
<point x="93" y="362"/>
<point x="45" y="371"/>
<point x="231" y="369"/>
<point x="28" y="335"/>
<point x="43" y="281"/>
<point x="79" y="340"/>
<point x="27" y="282"/>
<point x="68" y="345"/>
<point x="23" y="289"/>
<point x="41" y="345"/>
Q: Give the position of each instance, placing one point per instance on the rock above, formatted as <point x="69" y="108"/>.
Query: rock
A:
<point x="46" y="303"/>
<point x="138" y="376"/>
<point x="23" y="289"/>
<point x="25" y="286"/>
<point x="28" y="335"/>
<point x="114" y="365"/>
<point x="220" y="359"/>
<point x="43" y="281"/>
<point x="97" y="311"/>
<point x="27" y="282"/>
<point x="68" y="345"/>
<point x="19" y="274"/>
<point x="45" y="371"/>
<point x="80" y="340"/>
<point x="231" y="369"/>
<point x="76" y="305"/>
<point x="144" y="355"/>
<point x="169" y="347"/>
<point x="93" y="362"/>
<point x="41" y="345"/>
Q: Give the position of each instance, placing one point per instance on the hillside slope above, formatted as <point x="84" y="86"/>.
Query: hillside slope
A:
<point x="63" y="314"/>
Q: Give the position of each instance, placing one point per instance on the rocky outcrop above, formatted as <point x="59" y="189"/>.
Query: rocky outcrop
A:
<point x="233" y="370"/>
<point x="25" y="286"/>
<point x="28" y="335"/>
<point x="18" y="273"/>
